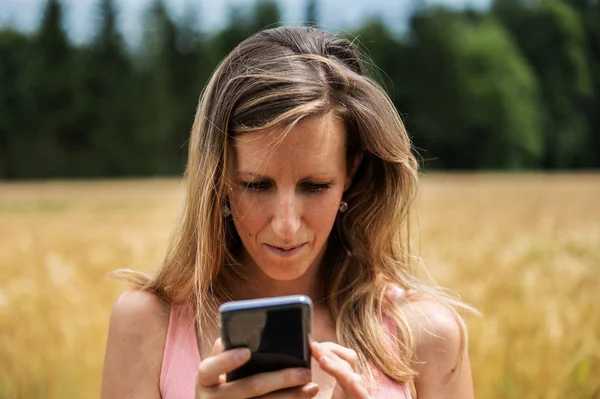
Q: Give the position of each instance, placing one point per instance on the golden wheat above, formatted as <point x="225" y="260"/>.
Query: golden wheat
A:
<point x="523" y="249"/>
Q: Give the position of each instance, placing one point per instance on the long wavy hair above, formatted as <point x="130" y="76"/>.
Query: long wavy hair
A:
<point x="276" y="79"/>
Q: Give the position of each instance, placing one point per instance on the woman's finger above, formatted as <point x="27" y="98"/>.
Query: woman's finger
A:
<point x="217" y="347"/>
<point x="347" y="379"/>
<point x="308" y="391"/>
<point x="346" y="354"/>
<point x="265" y="383"/>
<point x="213" y="367"/>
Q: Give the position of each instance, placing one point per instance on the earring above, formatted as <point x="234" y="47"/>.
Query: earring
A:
<point x="343" y="206"/>
<point x="226" y="211"/>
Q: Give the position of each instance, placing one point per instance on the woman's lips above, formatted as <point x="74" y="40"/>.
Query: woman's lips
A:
<point x="285" y="251"/>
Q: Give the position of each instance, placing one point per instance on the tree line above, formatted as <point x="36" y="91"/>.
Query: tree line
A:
<point x="513" y="87"/>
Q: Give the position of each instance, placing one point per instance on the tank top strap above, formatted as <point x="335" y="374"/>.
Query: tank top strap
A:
<point x="181" y="356"/>
<point x="381" y="386"/>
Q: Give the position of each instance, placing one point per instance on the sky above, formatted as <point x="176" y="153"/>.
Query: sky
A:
<point x="212" y="14"/>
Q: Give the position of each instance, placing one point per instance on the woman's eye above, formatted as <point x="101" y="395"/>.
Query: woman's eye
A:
<point x="257" y="185"/>
<point x="266" y="185"/>
<point x="316" y="187"/>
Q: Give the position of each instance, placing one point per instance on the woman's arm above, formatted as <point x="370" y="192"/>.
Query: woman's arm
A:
<point x="134" y="349"/>
<point x="443" y="370"/>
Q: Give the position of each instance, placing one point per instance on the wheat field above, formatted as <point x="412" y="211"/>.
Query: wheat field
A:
<point x="523" y="249"/>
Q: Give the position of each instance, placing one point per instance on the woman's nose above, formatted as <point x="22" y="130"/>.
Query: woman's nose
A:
<point x="287" y="217"/>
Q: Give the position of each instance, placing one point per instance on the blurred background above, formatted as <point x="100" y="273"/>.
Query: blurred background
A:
<point x="517" y="80"/>
<point x="500" y="97"/>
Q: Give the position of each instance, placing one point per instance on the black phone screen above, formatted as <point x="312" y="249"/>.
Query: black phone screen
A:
<point x="276" y="338"/>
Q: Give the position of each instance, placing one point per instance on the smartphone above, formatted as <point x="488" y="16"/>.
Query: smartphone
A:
<point x="277" y="331"/>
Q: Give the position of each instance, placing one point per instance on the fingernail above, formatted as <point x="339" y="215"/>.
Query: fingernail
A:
<point x="311" y="389"/>
<point x="305" y="375"/>
<point x="242" y="354"/>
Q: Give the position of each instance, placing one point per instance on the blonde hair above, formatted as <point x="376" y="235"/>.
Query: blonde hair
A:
<point x="277" y="78"/>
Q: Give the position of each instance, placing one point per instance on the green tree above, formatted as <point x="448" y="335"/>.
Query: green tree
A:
<point x="473" y="98"/>
<point x="173" y="70"/>
<point x="235" y="31"/>
<point x="388" y="54"/>
<point x="243" y="22"/>
<point x="311" y="15"/>
<point x="16" y="103"/>
<point x="189" y="68"/>
<point x="264" y="15"/>
<point x="589" y="12"/>
<point x="109" y="99"/>
<point x="551" y="36"/>
<point x="55" y="83"/>
<point x="155" y="113"/>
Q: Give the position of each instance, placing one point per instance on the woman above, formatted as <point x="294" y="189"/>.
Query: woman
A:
<point x="300" y="179"/>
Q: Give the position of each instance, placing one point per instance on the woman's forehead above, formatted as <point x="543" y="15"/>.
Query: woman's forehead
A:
<point x="318" y="142"/>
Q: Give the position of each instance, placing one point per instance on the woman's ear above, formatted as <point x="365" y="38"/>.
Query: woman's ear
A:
<point x="355" y="164"/>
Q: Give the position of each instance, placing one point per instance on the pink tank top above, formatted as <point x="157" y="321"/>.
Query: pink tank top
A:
<point x="181" y="358"/>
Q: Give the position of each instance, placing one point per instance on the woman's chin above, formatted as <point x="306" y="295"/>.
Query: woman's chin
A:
<point x="284" y="275"/>
<point x="287" y="272"/>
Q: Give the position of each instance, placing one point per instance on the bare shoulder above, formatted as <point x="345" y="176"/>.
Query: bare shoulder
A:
<point x="136" y="338"/>
<point x="442" y="359"/>
<point x="437" y="331"/>
<point x="139" y="309"/>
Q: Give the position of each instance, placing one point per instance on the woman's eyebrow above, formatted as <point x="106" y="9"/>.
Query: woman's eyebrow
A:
<point x="250" y="173"/>
<point x="311" y="176"/>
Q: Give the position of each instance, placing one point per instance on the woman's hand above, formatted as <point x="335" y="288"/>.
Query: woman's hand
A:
<point x="211" y="384"/>
<point x="341" y="363"/>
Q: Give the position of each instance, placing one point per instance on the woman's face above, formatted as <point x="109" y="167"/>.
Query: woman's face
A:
<point x="285" y="194"/>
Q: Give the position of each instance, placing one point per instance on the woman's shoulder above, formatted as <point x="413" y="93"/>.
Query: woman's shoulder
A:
<point x="135" y="343"/>
<point x="439" y="336"/>
<point x="437" y="329"/>
<point x="432" y="318"/>
<point x="140" y="318"/>
<point x="144" y="306"/>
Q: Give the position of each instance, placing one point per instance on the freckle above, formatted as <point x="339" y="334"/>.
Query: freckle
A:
<point x="249" y="234"/>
